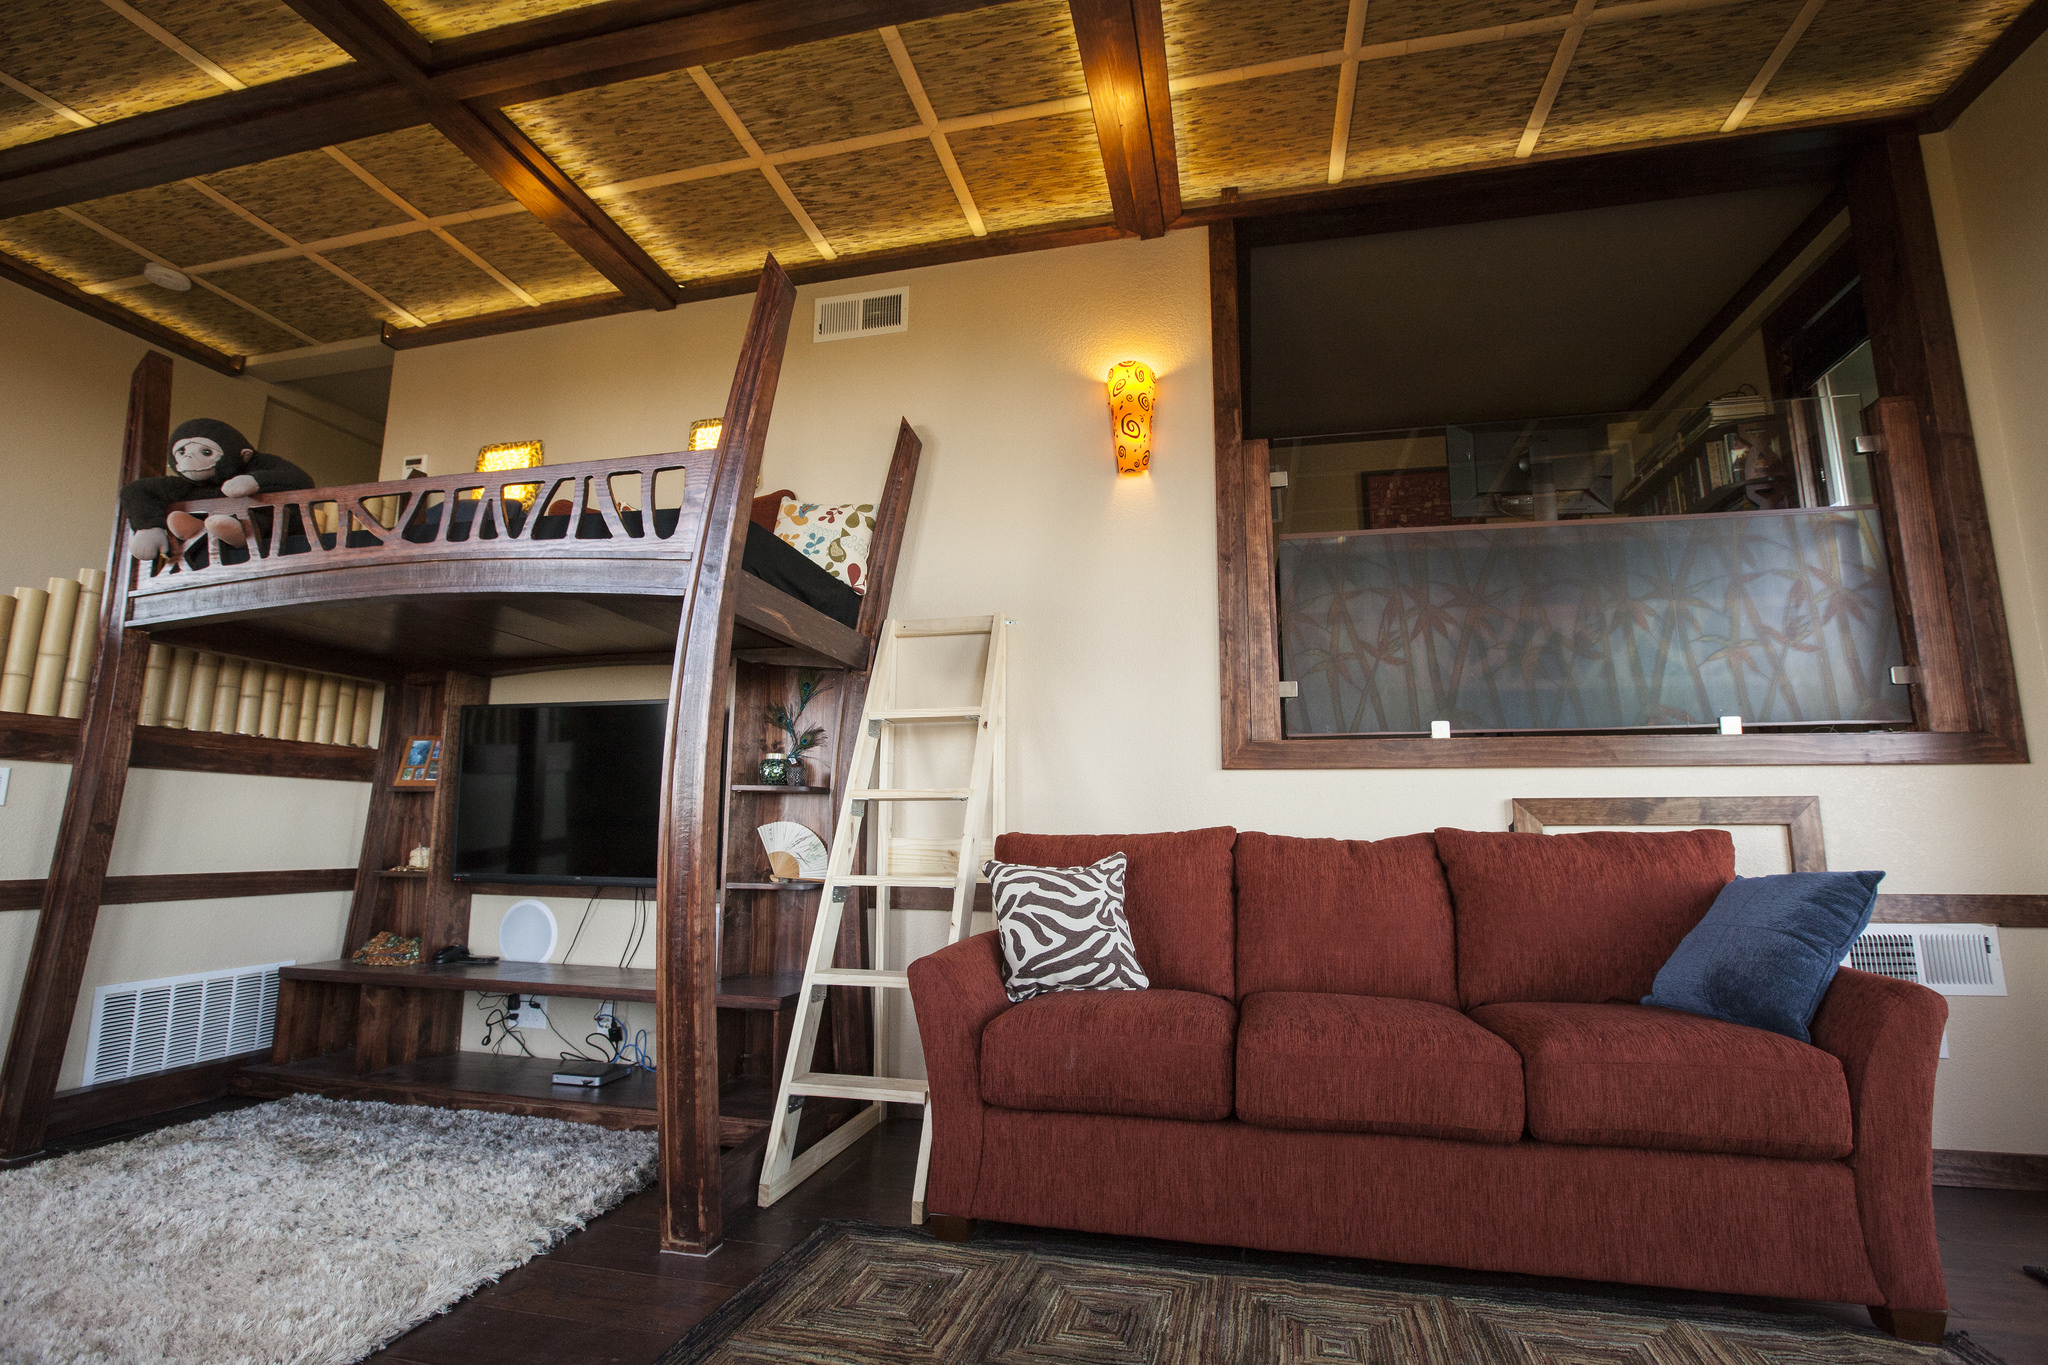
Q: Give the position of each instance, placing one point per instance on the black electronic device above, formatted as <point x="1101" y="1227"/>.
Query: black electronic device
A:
<point x="566" y="793"/>
<point x="458" y="955"/>
<point x="590" y="1075"/>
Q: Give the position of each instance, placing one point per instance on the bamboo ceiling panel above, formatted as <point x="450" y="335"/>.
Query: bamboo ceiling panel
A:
<point x="1262" y="136"/>
<point x="255" y="41"/>
<point x="532" y="257"/>
<point x="1861" y="55"/>
<point x="1004" y="57"/>
<point x="308" y="297"/>
<point x="1216" y="35"/>
<point x="820" y="92"/>
<point x="309" y="197"/>
<point x="707" y="229"/>
<point x="611" y="133"/>
<point x="1451" y="107"/>
<point x="1034" y="172"/>
<point x="82" y="54"/>
<point x="425" y="169"/>
<point x="67" y="248"/>
<point x="1673" y="76"/>
<point x="1394" y="21"/>
<point x="881" y="199"/>
<point x="207" y="317"/>
<point x="455" y="18"/>
<point x="179" y="224"/>
<point x="425" y="276"/>
<point x="23" y="120"/>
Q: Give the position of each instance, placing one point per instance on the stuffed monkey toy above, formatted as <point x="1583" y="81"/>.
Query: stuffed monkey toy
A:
<point x="212" y="460"/>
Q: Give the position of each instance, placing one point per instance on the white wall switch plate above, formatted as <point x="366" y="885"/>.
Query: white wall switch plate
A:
<point x="532" y="1013"/>
<point x="5" y="773"/>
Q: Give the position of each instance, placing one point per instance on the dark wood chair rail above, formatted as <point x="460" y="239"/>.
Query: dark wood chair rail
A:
<point x="54" y="739"/>
<point x="27" y="893"/>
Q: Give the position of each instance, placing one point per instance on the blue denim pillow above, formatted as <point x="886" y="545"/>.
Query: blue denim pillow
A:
<point x="1767" y="950"/>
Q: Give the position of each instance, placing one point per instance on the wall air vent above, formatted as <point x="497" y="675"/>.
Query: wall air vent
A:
<point x="1955" y="959"/>
<point x="862" y="315"/>
<point x="145" y="1026"/>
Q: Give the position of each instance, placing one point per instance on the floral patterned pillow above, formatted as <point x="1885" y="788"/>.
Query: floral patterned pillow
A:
<point x="833" y="537"/>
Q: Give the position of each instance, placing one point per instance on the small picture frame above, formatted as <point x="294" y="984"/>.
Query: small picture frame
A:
<point x="420" y="767"/>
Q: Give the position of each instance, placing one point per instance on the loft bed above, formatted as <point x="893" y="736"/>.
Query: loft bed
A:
<point x="433" y="585"/>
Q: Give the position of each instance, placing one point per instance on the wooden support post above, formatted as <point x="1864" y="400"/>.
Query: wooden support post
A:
<point x="1941" y="690"/>
<point x="92" y="806"/>
<point x="686" y="894"/>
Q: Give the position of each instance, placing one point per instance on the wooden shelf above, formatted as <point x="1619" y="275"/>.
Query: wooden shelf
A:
<point x="772" y="991"/>
<point x="773" y="886"/>
<point x="781" y="791"/>
<point x="403" y="872"/>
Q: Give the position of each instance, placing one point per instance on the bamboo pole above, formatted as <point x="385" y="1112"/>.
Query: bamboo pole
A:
<point x="273" y="701"/>
<point x="288" y="705"/>
<point x="19" y="670"/>
<point x="199" y="702"/>
<point x="6" y="622"/>
<point x="178" y="689"/>
<point x="85" y="637"/>
<point x="249" y="705"/>
<point x="344" y="710"/>
<point x="227" y="694"/>
<point x="46" y="684"/>
<point x="323" y="717"/>
<point x="156" y="679"/>
<point x="367" y="697"/>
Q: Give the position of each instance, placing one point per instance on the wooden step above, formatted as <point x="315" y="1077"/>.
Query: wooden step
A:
<point x="913" y="715"/>
<point x="912" y="794"/>
<point x="882" y="1089"/>
<point x="865" y="879"/>
<point x="862" y="976"/>
<point x="944" y="625"/>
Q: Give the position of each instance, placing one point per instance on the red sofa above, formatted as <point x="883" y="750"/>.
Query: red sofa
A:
<point x="1427" y="1049"/>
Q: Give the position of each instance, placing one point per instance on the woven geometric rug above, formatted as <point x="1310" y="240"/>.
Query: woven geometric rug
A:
<point x="307" y="1231"/>
<point x="853" y="1294"/>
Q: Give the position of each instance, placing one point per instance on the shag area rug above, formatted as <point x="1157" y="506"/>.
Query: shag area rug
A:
<point x="858" y="1295"/>
<point x="309" y="1231"/>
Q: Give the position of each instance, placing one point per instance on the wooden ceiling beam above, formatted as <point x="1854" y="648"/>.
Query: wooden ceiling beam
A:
<point x="1123" y="56"/>
<point x="369" y="32"/>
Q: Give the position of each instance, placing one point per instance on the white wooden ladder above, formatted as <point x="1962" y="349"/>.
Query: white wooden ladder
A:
<point x="875" y="752"/>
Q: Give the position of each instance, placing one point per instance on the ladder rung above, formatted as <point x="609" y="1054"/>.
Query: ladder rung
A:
<point x="912" y="794"/>
<point x="946" y="625"/>
<point x="910" y="715"/>
<point x="861" y="976"/>
<point x="869" y="879"/>
<point x="894" y="1089"/>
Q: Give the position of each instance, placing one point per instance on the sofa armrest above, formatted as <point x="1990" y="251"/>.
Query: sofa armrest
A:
<point x="1887" y="1035"/>
<point x="956" y="991"/>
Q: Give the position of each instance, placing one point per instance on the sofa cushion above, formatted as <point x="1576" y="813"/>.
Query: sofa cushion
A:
<point x="1344" y="915"/>
<point x="1636" y="1076"/>
<point x="1374" y="1064"/>
<point x="1583" y="918"/>
<point x="1177" y="897"/>
<point x="1147" y="1054"/>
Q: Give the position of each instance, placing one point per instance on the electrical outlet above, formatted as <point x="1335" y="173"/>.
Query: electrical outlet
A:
<point x="532" y="1013"/>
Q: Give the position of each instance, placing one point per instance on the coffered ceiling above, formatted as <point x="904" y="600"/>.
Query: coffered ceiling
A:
<point x="323" y="170"/>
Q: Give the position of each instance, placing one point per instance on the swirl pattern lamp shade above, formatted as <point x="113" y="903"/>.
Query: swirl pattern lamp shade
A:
<point x="704" y="435"/>
<point x="511" y="455"/>
<point x="1131" y="385"/>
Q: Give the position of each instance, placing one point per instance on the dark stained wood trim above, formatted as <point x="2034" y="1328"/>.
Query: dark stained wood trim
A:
<point x="2005" y="911"/>
<point x="38" y="739"/>
<point x="687" y="894"/>
<point x="234" y="128"/>
<point x="371" y="33"/>
<point x="773" y="613"/>
<point x="1913" y="344"/>
<point x="164" y="888"/>
<point x="1991" y="1170"/>
<point x="1750" y="749"/>
<point x="1991" y="63"/>
<point x="1920" y="595"/>
<point x="1799" y="815"/>
<point x="92" y="806"/>
<point x="1123" y="56"/>
<point x="249" y="755"/>
<point x="513" y="320"/>
<point x="886" y="545"/>
<point x="1753" y="288"/>
<point x="155" y="333"/>
<point x="1233" y="590"/>
<point x="96" y="1106"/>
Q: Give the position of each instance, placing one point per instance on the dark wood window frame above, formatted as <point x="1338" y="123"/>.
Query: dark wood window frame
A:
<point x="1951" y="612"/>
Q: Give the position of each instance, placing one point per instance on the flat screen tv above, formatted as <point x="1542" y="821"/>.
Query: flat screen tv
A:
<point x="566" y="793"/>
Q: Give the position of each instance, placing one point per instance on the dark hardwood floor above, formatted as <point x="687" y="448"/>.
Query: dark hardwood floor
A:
<point x="607" y="1296"/>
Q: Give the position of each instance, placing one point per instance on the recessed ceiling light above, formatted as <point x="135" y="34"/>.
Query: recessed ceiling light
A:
<point x="166" y="278"/>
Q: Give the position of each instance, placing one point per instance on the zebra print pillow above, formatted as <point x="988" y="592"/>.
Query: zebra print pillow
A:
<point x="1063" y="928"/>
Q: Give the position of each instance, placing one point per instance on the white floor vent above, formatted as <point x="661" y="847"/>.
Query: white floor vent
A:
<point x="863" y="315"/>
<point x="1955" y="959"/>
<point x="144" y="1026"/>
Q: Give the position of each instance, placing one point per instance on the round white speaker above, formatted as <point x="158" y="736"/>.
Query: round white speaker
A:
<point x="527" y="933"/>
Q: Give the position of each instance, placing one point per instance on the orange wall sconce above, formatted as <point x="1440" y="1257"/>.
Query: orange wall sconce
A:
<point x="1131" y="387"/>
<point x="705" y="435"/>
<point x="511" y="455"/>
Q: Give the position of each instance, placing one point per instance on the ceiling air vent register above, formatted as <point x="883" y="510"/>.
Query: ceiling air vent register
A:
<point x="862" y="315"/>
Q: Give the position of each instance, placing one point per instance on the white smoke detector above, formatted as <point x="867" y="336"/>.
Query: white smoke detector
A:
<point x="163" y="277"/>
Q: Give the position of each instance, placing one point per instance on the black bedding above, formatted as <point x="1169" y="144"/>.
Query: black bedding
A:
<point x="775" y="562"/>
